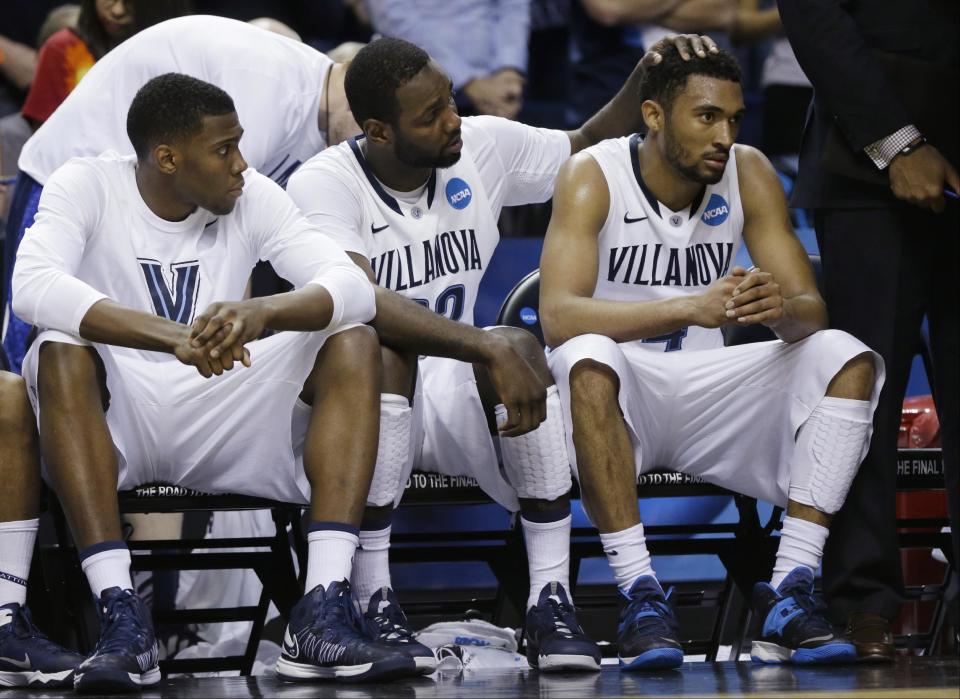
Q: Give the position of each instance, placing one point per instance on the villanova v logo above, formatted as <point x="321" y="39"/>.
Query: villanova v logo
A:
<point x="179" y="305"/>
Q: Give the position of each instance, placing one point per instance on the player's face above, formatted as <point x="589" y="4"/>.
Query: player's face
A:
<point x="210" y="173"/>
<point x="701" y="127"/>
<point x="116" y="17"/>
<point x="427" y="132"/>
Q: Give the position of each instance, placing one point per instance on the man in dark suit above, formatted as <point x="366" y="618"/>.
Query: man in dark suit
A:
<point x="879" y="150"/>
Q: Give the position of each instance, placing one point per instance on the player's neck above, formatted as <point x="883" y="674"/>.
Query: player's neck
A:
<point x="159" y="197"/>
<point x="392" y="172"/>
<point x="669" y="186"/>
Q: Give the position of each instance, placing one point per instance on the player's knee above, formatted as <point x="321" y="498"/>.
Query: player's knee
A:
<point x="855" y="379"/>
<point x="66" y="371"/>
<point x="357" y="348"/>
<point x="593" y="385"/>
<point x="16" y="415"/>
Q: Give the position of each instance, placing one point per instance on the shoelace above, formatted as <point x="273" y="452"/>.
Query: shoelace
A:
<point x="342" y="611"/>
<point x="650" y="610"/>
<point x="804" y="598"/>
<point x="121" y="620"/>
<point x="391" y="624"/>
<point x="563" y="621"/>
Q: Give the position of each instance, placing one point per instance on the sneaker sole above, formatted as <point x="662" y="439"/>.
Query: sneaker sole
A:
<point x="106" y="681"/>
<point x="425" y="665"/>
<point x="36" y="678"/>
<point x="560" y="663"/>
<point x="828" y="654"/>
<point x="655" y="659"/>
<point x="379" y="670"/>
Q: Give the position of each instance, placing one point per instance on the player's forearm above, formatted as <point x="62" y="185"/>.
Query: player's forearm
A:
<point x="619" y="117"/>
<point x="307" y="309"/>
<point x="622" y="321"/>
<point x="409" y="327"/>
<point x="109" y="323"/>
<point x="755" y="25"/>
<point x="803" y="315"/>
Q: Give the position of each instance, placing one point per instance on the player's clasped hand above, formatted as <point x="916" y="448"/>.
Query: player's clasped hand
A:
<point x="756" y="299"/>
<point x="221" y="332"/>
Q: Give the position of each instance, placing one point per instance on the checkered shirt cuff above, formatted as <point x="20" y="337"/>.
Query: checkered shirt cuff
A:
<point x="883" y="151"/>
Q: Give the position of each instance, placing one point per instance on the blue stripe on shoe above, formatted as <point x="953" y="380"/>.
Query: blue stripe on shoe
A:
<point x="827" y="653"/>
<point x="654" y="659"/>
<point x="778" y="617"/>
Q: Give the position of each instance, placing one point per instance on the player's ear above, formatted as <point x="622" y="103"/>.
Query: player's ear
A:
<point x="379" y="132"/>
<point x="166" y="159"/>
<point x="653" y="115"/>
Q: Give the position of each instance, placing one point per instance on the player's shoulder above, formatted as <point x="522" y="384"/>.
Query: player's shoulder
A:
<point x="94" y="169"/>
<point x="333" y="161"/>
<point x="755" y="173"/>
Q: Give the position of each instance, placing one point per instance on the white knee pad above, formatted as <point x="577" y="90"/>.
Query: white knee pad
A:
<point x="829" y="449"/>
<point x="536" y="463"/>
<point x="393" y="450"/>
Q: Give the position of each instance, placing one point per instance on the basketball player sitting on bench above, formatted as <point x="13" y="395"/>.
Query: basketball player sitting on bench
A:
<point x="132" y="383"/>
<point x="636" y="284"/>
<point x="415" y="202"/>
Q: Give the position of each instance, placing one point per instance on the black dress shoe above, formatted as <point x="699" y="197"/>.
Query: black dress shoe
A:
<point x="871" y="636"/>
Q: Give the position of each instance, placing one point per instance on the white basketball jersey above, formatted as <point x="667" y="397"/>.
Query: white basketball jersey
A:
<point x="94" y="238"/>
<point x="436" y="248"/>
<point x="648" y="252"/>
<point x="275" y="82"/>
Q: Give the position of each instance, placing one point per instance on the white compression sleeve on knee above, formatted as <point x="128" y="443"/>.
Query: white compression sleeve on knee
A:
<point x="830" y="446"/>
<point x="537" y="463"/>
<point x="393" y="450"/>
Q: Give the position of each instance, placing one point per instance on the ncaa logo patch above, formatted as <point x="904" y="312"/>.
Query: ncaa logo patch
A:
<point x="716" y="212"/>
<point x="458" y="193"/>
<point x="528" y="315"/>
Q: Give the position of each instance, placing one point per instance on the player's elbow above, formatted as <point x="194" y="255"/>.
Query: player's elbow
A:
<point x="554" y="321"/>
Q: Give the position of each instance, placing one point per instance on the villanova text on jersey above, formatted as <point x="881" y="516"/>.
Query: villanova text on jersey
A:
<point x="658" y="265"/>
<point x="415" y="264"/>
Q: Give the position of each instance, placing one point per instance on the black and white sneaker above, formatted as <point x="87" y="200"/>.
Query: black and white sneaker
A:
<point x="555" y="640"/>
<point x="388" y="624"/>
<point x="126" y="657"/>
<point x="27" y="657"/>
<point x="326" y="640"/>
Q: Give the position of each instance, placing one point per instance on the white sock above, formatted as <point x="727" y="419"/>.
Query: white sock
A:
<point x="329" y="556"/>
<point x="106" y="569"/>
<point x="801" y="544"/>
<point x="371" y="566"/>
<point x="628" y="555"/>
<point x="16" y="551"/>
<point x="548" y="554"/>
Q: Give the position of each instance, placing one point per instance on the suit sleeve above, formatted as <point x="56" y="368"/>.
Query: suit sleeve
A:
<point x="846" y="79"/>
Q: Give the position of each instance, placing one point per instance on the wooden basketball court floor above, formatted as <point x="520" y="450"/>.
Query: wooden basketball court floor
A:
<point x="923" y="678"/>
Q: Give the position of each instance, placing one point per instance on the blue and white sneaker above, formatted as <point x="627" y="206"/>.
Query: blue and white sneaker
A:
<point x="795" y="627"/>
<point x="555" y="639"/>
<point x="387" y="623"/>
<point x="647" y="635"/>
<point x="326" y="640"/>
<point x="27" y="657"/>
<point x="126" y="657"/>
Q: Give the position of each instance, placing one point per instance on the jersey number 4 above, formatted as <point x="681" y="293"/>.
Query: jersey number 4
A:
<point x="449" y="302"/>
<point x="674" y="340"/>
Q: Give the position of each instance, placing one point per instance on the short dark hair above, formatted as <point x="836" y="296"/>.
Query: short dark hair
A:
<point x="172" y="106"/>
<point x="665" y="80"/>
<point x="376" y="73"/>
